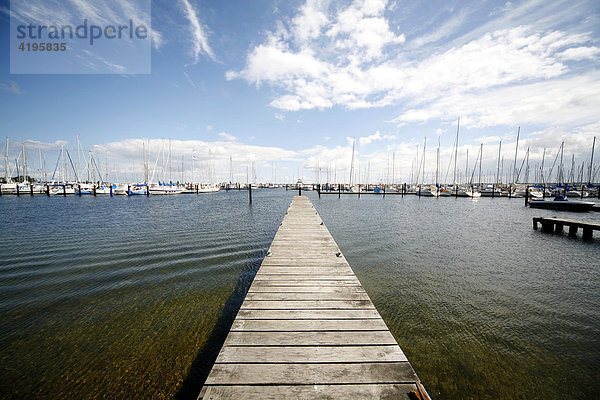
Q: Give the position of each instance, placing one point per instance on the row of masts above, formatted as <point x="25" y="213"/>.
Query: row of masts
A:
<point x="88" y="168"/>
<point x="520" y="173"/>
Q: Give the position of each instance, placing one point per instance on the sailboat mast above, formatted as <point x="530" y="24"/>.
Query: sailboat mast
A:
<point x="78" y="155"/>
<point x="591" y="161"/>
<point x="498" y="167"/>
<point x="424" y="146"/>
<point x="352" y="162"/>
<point x="456" y="148"/>
<point x="542" y="167"/>
<point x="393" y="168"/>
<point x="23" y="161"/>
<point x="480" y="158"/>
<point x="145" y="163"/>
<point x="6" y="173"/>
<point x="437" y="164"/>
<point x="527" y="167"/>
<point x="560" y="167"/>
<point x="515" y="163"/>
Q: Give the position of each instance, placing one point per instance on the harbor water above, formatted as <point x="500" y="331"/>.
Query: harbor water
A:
<point x="132" y="297"/>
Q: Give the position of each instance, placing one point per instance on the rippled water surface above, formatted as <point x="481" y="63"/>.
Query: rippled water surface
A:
<point x="132" y="297"/>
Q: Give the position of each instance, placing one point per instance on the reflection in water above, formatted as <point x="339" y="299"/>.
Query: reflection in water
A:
<point x="132" y="297"/>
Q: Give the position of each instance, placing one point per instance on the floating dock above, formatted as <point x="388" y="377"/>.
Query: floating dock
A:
<point x="557" y="225"/>
<point x="307" y="328"/>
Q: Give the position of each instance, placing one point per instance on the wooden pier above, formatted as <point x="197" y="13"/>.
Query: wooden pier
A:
<point x="307" y="328"/>
<point x="557" y="225"/>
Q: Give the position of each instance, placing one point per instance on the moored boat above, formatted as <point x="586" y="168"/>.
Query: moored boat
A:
<point x="562" y="204"/>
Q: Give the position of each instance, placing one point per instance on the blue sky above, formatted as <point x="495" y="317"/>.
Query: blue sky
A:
<point x="289" y="83"/>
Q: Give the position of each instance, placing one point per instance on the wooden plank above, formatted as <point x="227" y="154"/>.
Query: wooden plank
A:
<point x="305" y="289"/>
<point x="311" y="374"/>
<point x="307" y="296"/>
<point x="321" y="338"/>
<point x="307" y="282"/>
<point x="308" y="325"/>
<point x="302" y="354"/>
<point x="317" y="392"/>
<point x="306" y="304"/>
<point x="277" y="278"/>
<point x="307" y="328"/>
<point x="307" y="314"/>
<point x="337" y="270"/>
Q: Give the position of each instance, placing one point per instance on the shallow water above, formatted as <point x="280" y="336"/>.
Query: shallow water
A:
<point x="132" y="297"/>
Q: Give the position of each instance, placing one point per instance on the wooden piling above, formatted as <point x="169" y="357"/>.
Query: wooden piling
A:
<point x="556" y="225"/>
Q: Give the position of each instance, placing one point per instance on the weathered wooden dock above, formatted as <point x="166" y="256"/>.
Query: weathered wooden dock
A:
<point x="307" y="328"/>
<point x="557" y="225"/>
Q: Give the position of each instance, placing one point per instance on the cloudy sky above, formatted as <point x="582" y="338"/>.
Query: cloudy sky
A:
<point x="286" y="86"/>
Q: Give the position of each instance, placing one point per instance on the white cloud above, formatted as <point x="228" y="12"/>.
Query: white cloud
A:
<point x="365" y="140"/>
<point x="493" y="74"/>
<point x="567" y="101"/>
<point x="580" y="53"/>
<point x="197" y="33"/>
<point x="447" y="28"/>
<point x="227" y="136"/>
<point x="11" y="86"/>
<point x="280" y="117"/>
<point x="190" y="81"/>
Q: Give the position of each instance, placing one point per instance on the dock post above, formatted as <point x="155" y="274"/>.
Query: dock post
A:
<point x="581" y="197"/>
<point x="339" y="191"/>
<point x="17" y="185"/>
<point x="419" y="191"/>
<point x="128" y="190"/>
<point x="111" y="191"/>
<point x="148" y="190"/>
<point x="48" y="190"/>
<point x="384" y="191"/>
<point x="319" y="189"/>
<point x="573" y="230"/>
<point x="403" y="189"/>
<point x="535" y="224"/>
<point x="0" y="189"/>
<point x="196" y="189"/>
<point x="544" y="192"/>
<point x="250" y="192"/>
<point x="31" y="189"/>
<point x="527" y="196"/>
<point x="510" y="191"/>
<point x="64" y="190"/>
<point x="359" y="191"/>
<point x="558" y="228"/>
<point x="79" y="190"/>
<point x="94" y="187"/>
<point x="456" y="191"/>
<point x="587" y="234"/>
<point x="547" y="226"/>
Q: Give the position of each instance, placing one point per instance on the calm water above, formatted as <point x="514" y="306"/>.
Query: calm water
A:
<point x="132" y="297"/>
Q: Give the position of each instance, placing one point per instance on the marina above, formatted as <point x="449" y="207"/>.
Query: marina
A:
<point x="205" y="200"/>
<point x="94" y="287"/>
